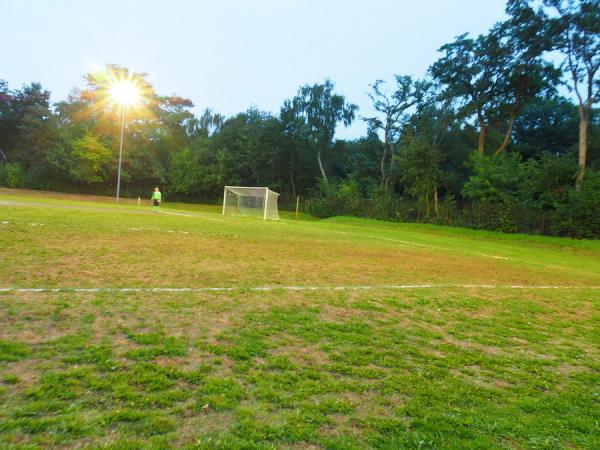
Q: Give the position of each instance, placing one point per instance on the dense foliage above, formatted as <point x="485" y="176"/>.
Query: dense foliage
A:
<point x="485" y="140"/>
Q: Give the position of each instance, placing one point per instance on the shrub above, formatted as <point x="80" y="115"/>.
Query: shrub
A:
<point x="12" y="175"/>
<point x="331" y="199"/>
<point x="385" y="205"/>
<point x="578" y="214"/>
<point x="496" y="191"/>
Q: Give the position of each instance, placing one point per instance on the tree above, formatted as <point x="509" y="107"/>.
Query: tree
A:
<point x="394" y="110"/>
<point x="495" y="74"/>
<point x="577" y="35"/>
<point x="28" y="128"/>
<point x="323" y="110"/>
<point x="524" y="74"/>
<point x="198" y="171"/>
<point x="176" y="120"/>
<point x="470" y="69"/>
<point x="297" y="146"/>
<point x="577" y="214"/>
<point x="157" y="126"/>
<point x="436" y="125"/>
<point x="208" y="123"/>
<point x="91" y="160"/>
<point x="546" y="125"/>
<point x="421" y="172"/>
<point x="359" y="161"/>
<point x="496" y="189"/>
<point x="5" y="119"/>
<point x="246" y="138"/>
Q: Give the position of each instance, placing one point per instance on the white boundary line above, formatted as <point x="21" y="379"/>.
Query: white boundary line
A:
<point x="410" y="243"/>
<point x="174" y="213"/>
<point x="292" y="288"/>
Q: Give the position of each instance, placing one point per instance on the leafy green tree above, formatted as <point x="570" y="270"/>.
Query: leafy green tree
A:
<point x="549" y="179"/>
<point x="251" y="140"/>
<point x="323" y="110"/>
<point x="546" y="125"/>
<point x="494" y="75"/>
<point x="469" y="69"/>
<point x="525" y="75"/>
<point x="29" y="130"/>
<point x="207" y="124"/>
<point x="577" y="214"/>
<point x="297" y="147"/>
<point x="420" y="163"/>
<point x="577" y="35"/>
<point x="393" y="109"/>
<point x="358" y="160"/>
<point x="157" y="126"/>
<point x="496" y="190"/>
<point x="436" y="125"/>
<point x="5" y="119"/>
<point x="176" y="120"/>
<point x="199" y="172"/>
<point x="92" y="160"/>
<point x="12" y="176"/>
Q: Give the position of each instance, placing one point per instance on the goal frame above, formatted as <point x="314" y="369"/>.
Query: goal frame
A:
<point x="266" y="197"/>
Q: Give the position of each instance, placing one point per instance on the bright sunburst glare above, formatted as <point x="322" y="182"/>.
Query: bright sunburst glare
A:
<point x="125" y="92"/>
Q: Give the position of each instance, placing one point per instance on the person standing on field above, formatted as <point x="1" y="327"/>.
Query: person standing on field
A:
<point x="156" y="198"/>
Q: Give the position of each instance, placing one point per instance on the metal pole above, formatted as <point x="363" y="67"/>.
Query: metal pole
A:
<point x="120" y="151"/>
<point x="266" y="204"/>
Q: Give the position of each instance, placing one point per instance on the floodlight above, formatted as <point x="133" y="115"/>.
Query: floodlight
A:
<point x="125" y="92"/>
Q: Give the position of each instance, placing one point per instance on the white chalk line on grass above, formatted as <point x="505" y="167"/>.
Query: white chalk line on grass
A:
<point x="399" y="241"/>
<point x="107" y="208"/>
<point x="174" y="213"/>
<point x="292" y="288"/>
<point x="416" y="244"/>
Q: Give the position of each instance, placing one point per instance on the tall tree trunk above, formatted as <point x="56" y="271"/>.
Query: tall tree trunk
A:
<point x="321" y="166"/>
<point x="585" y="110"/>
<point x="583" y="129"/>
<point x="382" y="164"/>
<point x="511" y="122"/>
<point x="481" y="143"/>
<point x="392" y="160"/>
<point x="292" y="181"/>
<point x="426" y="198"/>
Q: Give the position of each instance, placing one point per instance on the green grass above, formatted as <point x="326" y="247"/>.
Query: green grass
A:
<point x="422" y="368"/>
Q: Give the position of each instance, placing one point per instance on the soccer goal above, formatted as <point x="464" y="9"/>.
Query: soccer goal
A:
<point x="250" y="201"/>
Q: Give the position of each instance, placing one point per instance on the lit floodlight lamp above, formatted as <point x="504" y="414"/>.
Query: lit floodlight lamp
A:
<point x="125" y="92"/>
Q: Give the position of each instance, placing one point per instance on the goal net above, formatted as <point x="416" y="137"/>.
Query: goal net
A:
<point x="250" y="201"/>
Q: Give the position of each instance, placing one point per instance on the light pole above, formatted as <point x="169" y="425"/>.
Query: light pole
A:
<point x="120" y="150"/>
<point x="124" y="92"/>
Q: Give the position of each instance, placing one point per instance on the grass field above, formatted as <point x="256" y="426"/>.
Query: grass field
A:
<point x="340" y="333"/>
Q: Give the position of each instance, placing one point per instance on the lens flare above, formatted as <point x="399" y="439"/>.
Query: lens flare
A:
<point x="125" y="92"/>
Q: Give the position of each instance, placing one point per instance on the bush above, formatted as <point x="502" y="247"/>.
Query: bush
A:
<point x="507" y="215"/>
<point x="578" y="214"/>
<point x="12" y="175"/>
<point x="331" y="199"/>
<point x="496" y="191"/>
<point x="385" y="205"/>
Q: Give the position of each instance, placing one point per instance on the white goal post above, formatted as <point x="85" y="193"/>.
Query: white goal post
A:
<point x="250" y="201"/>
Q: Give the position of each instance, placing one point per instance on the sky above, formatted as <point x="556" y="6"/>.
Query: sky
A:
<point x="230" y="55"/>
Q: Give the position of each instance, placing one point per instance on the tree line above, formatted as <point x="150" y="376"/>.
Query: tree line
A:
<point x="495" y="136"/>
